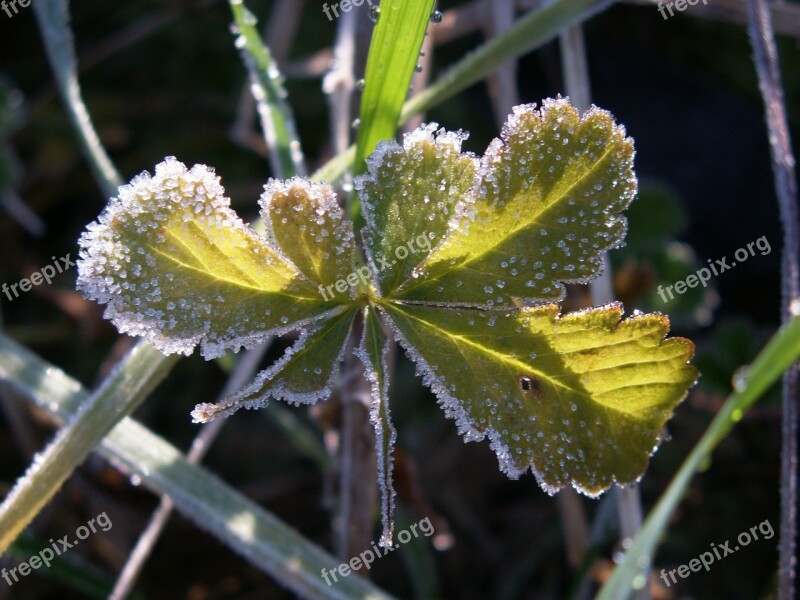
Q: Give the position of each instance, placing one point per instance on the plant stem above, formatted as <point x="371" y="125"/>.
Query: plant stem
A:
<point x="765" y="56"/>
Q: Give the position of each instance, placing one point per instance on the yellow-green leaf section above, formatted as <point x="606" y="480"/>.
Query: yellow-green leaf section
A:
<point x="305" y="221"/>
<point x="550" y="198"/>
<point x="580" y="399"/>
<point x="174" y="264"/>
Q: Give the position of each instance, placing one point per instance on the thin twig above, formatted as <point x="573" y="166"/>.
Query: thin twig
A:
<point x="503" y="82"/>
<point x="18" y="210"/>
<point x="576" y="84"/>
<point x="358" y="462"/>
<point x="765" y="56"/>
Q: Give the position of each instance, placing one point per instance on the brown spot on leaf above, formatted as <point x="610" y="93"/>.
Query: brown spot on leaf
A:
<point x="530" y="386"/>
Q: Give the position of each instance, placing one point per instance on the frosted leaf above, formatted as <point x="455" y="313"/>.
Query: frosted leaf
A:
<point x="305" y="374"/>
<point x="174" y="264"/>
<point x="457" y="251"/>
<point x="372" y="352"/>
<point x="409" y="197"/>
<point x="587" y="411"/>
<point x="305" y="221"/>
<point x="552" y="189"/>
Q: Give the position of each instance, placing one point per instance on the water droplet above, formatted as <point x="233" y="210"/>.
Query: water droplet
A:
<point x="794" y="307"/>
<point x="740" y="378"/>
<point x="436" y="17"/>
<point x="374" y="13"/>
<point x="360" y="84"/>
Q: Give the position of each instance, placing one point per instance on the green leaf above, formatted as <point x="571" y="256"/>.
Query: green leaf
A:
<point x="305" y="374"/>
<point x="372" y="352"/>
<point x="393" y="55"/>
<point x="410" y="197"/>
<point x="579" y="399"/>
<point x="177" y="266"/>
<point x="549" y="203"/>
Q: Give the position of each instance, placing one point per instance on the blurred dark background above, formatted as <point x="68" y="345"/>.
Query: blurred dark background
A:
<point x="163" y="78"/>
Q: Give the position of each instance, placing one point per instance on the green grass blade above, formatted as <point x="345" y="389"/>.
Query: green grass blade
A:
<point x="209" y="502"/>
<point x="53" y="18"/>
<point x="119" y="395"/>
<point x="277" y="122"/>
<point x="530" y="32"/>
<point x="393" y="55"/>
<point x="781" y="352"/>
